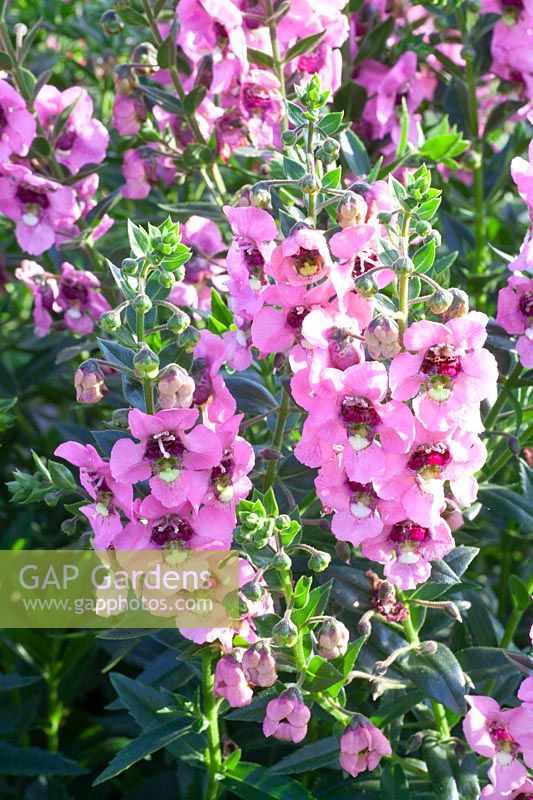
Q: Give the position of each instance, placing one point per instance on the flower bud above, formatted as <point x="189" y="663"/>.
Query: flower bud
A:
<point x="403" y="266"/>
<point x="428" y="648"/>
<point x="283" y="522"/>
<point x="289" y="138"/>
<point x="260" y="196"/>
<point x="352" y="210"/>
<point x="110" y="321"/>
<point x="366" y="286"/>
<point x="142" y="303"/>
<point x="166" y="279"/>
<point x="89" y="383"/>
<point x="175" y="388"/>
<point x="145" y="363"/>
<point x="319" y="561"/>
<point x="145" y="54"/>
<point x="286" y="717"/>
<point x="253" y="591"/>
<point x="343" y="551"/>
<point x="309" y="184"/>
<point x="331" y="147"/>
<point x="384" y="217"/>
<point x="259" y="665"/>
<point x="189" y="339"/>
<point x="119" y="418"/>
<point x="125" y="81"/>
<point x="111" y="23"/>
<point x="459" y="305"/>
<point x="130" y="266"/>
<point x="423" y="228"/>
<point x="382" y="337"/>
<point x="179" y="321"/>
<point x="333" y="638"/>
<point x="285" y="633"/>
<point x="440" y="301"/>
<point x="251" y="521"/>
<point x="230" y="682"/>
<point x="281" y="562"/>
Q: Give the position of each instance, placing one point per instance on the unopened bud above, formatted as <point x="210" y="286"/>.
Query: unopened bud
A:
<point x="331" y="147"/>
<point x="459" y="305"/>
<point x="260" y="195"/>
<point x="125" y="81"/>
<point x="145" y="363"/>
<point x="342" y="549"/>
<point x="166" y="279"/>
<point x="145" y="54"/>
<point x="384" y="217"/>
<point x="283" y="522"/>
<point x="414" y="743"/>
<point x="252" y="591"/>
<point x="423" y="228"/>
<point x="111" y="23"/>
<point x="366" y="286"/>
<point x="382" y="337"/>
<point x="110" y="321"/>
<point x="142" y="303"/>
<point x="428" y="648"/>
<point x="309" y="184"/>
<point x="179" y="321"/>
<point x="259" y="665"/>
<point x="89" y="383"/>
<point x="440" y="301"/>
<point x="403" y="266"/>
<point x="452" y="611"/>
<point x="285" y="633"/>
<point x="130" y="266"/>
<point x="352" y="210"/>
<point x="319" y="561"/>
<point x="175" y="388"/>
<point x="189" y="339"/>
<point x="282" y="562"/>
<point x="119" y="418"/>
<point x="333" y="638"/>
<point x="363" y="626"/>
<point x="289" y="138"/>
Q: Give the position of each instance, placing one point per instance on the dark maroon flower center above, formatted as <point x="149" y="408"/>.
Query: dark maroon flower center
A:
<point x="29" y="195"/>
<point x="256" y="98"/>
<point x="225" y="467"/>
<point x="359" y="411"/>
<point x="362" y="265"/>
<point x="526" y="304"/>
<point x="172" y="530"/>
<point x="255" y="263"/>
<point x="502" y="738"/>
<point x="202" y="381"/>
<point x="362" y="493"/>
<point x="308" y="263"/>
<point x="3" y="119"/>
<point x="312" y="62"/>
<point x="66" y="139"/>
<point x="441" y="359"/>
<point x="408" y="531"/>
<point x="518" y="4"/>
<point x="436" y="456"/>
<point x="166" y="445"/>
<point x="296" y="316"/>
<point x="73" y="291"/>
<point x="221" y="34"/>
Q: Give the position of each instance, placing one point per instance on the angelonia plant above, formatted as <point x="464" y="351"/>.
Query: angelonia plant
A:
<point x="287" y="366"/>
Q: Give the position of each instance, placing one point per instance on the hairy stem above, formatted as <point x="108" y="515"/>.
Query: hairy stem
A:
<point x="213" y="755"/>
<point x="277" y="441"/>
<point x="276" y="56"/>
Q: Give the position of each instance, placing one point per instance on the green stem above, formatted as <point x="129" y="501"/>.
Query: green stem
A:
<point x="277" y="441"/>
<point x="213" y="754"/>
<point x="54" y="706"/>
<point x="439" y="711"/>
<point x="276" y="56"/>
<point x="311" y="163"/>
<point x="502" y="397"/>
<point x="403" y="283"/>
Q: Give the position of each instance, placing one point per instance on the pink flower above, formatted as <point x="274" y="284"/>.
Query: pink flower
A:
<point x="259" y="665"/>
<point x="44" y="288"/>
<point x="204" y="269"/>
<point x="356" y="247"/>
<point x="522" y="792"/>
<point x="287" y="717"/>
<point x="362" y="747"/>
<point x="17" y="126"/>
<point x="40" y="208"/>
<point x="211" y="393"/>
<point x="229" y="479"/>
<point x="406" y="548"/>
<point x="487" y="731"/>
<point x="450" y="372"/>
<point x="515" y="314"/>
<point x="262" y="107"/>
<point x="177" y="464"/>
<point x="302" y="258"/>
<point x="108" y="495"/>
<point x="356" y="505"/>
<point x="141" y="171"/>
<point x="179" y="527"/>
<point x="78" y="299"/>
<point x="208" y="26"/>
<point x="82" y="140"/>
<point x="231" y="683"/>
<point x="512" y="55"/>
<point x="129" y="113"/>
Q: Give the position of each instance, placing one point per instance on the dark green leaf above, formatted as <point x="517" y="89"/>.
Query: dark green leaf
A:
<point x="374" y="42"/>
<point x="354" y="153"/>
<point x="252" y="782"/>
<point x="33" y="761"/>
<point x="304" y="46"/>
<point x="310" y="757"/>
<point x="260" y="58"/>
<point x="439" y="675"/>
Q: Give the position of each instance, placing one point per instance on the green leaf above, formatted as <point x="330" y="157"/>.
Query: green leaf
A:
<point x="116" y="353"/>
<point x="331" y="123"/>
<point x="350" y="100"/>
<point x="304" y="46"/>
<point x="131" y="17"/>
<point x="260" y="58"/>
<point x="354" y="153"/>
<point x="484" y="663"/>
<point x="6" y="62"/>
<point x="445" y="144"/>
<point x="34" y="761"/>
<point x="8" y="682"/>
<point x="423" y="259"/>
<point x="310" y="757"/>
<point x="346" y="662"/>
<point x="393" y="782"/>
<point x="61" y="476"/>
<point x="519" y="593"/>
<point x="251" y="396"/>
<point x="374" y="42"/>
<point x="219" y="310"/>
<point x="499" y="114"/>
<point x="162" y="98"/>
<point x="295" y="114"/>
<point x="194" y="98"/>
<point x="320" y="674"/>
<point x="332" y="179"/>
<point x="252" y="782"/>
<point x="439" y="675"/>
<point x="166" y="52"/>
<point x="138" y="239"/>
<point x="293" y="169"/>
<point x="451" y="779"/>
<point x="145" y="744"/>
<point x="404" y="131"/>
<point x="301" y="591"/>
<point x="255" y="711"/>
<point x="142" y="701"/>
<point x="270" y="503"/>
<point x="315" y="606"/>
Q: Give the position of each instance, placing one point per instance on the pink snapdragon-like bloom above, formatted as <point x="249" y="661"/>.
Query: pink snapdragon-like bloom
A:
<point x="231" y="683"/>
<point x="205" y="268"/>
<point x="208" y="27"/>
<point x="362" y="747"/>
<point x="211" y="393"/>
<point x="229" y="479"/>
<point x="17" y="125"/>
<point x="129" y="113"/>
<point x="521" y="724"/>
<point x="287" y="717"/>
<point x="354" y="418"/>
<point x="141" y="171"/>
<point x="356" y="247"/>
<point x="416" y="479"/>
<point x="522" y="172"/>
<point x="278" y="325"/>
<point x="160" y="525"/>
<point x="82" y="305"/>
<point x="406" y="548"/>
<point x="522" y="792"/>
<point x="512" y="54"/>
<point x="259" y="665"/>
<point x="356" y="505"/>
<point x="175" y="388"/>
<point x="487" y="729"/>
<point x="44" y="288"/>
<point x="41" y="209"/>
<point x="254" y="232"/>
<point x="515" y="314"/>
<point x="177" y="464"/>
<point x="302" y="258"/>
<point x="108" y="495"/>
<point x="86" y="190"/>
<point x="82" y="140"/>
<point x="450" y="372"/>
<point x="262" y="107"/>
